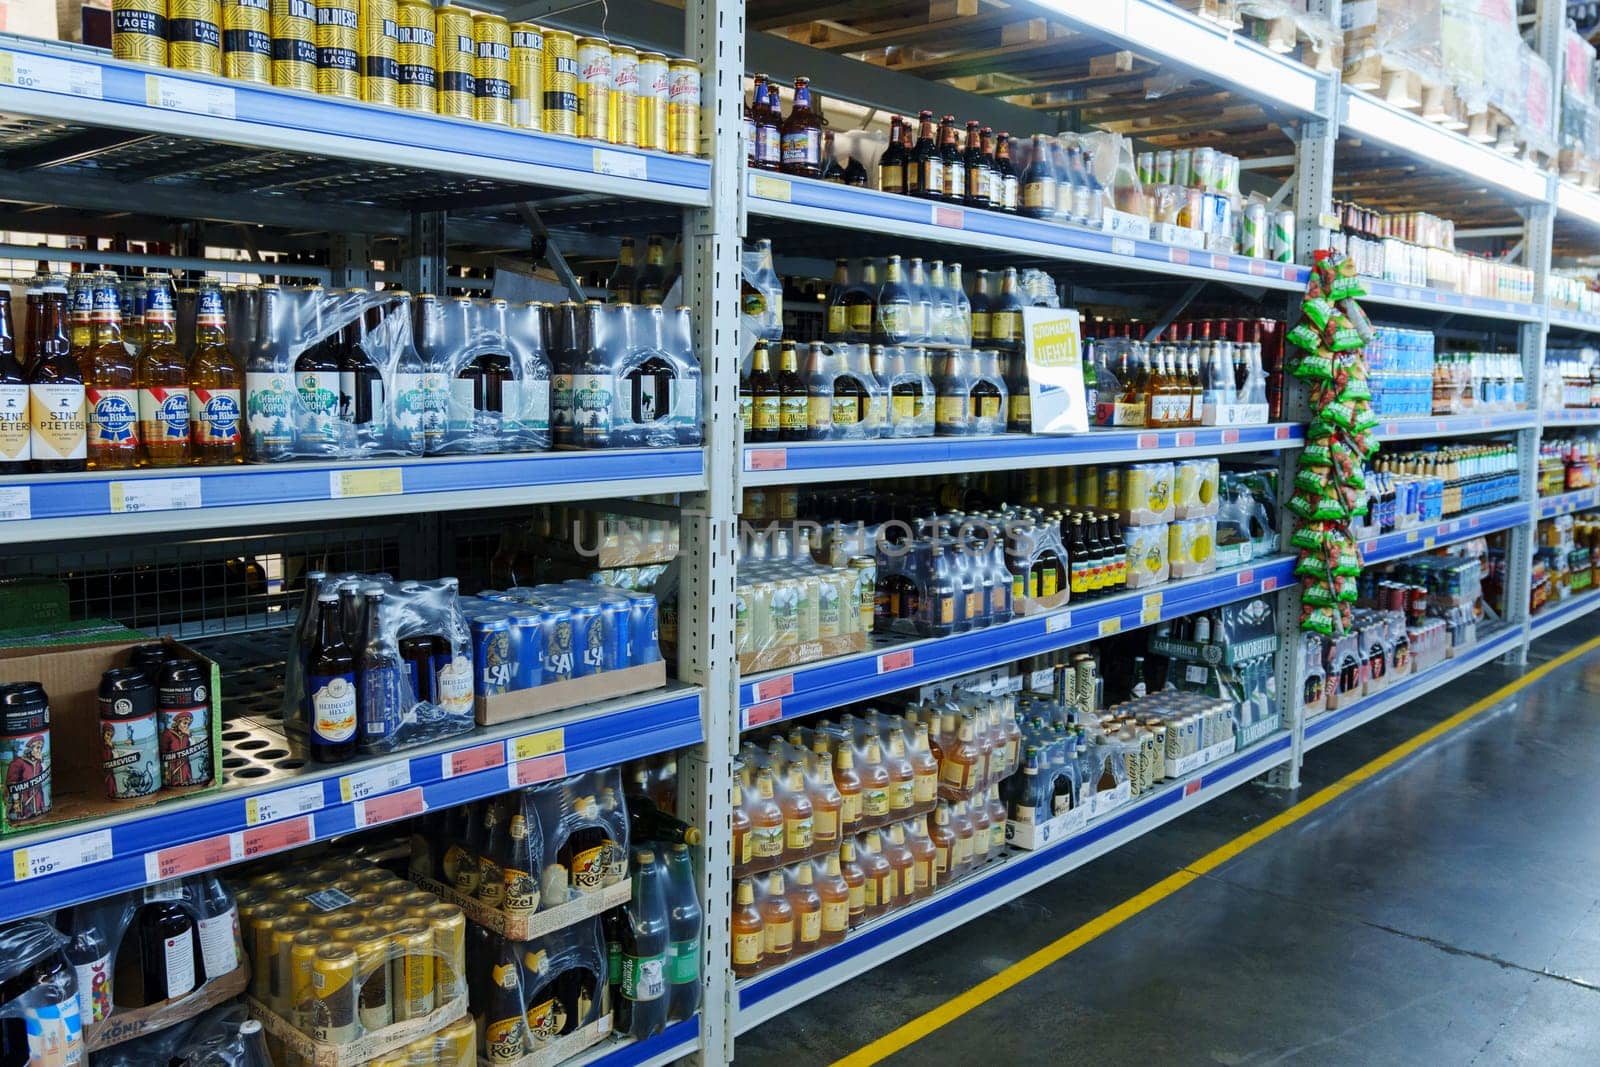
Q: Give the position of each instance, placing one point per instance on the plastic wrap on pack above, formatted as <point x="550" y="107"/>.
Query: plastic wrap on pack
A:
<point x="424" y="689"/>
<point x="1578" y="70"/>
<point x="489" y="370"/>
<point x="1403" y="34"/>
<point x="779" y="605"/>
<point x="585" y="824"/>
<point x="1192" y="546"/>
<point x="1110" y="159"/>
<point x="911" y="392"/>
<point x="794" y="808"/>
<point x="1537" y="128"/>
<point x="933" y="583"/>
<point x="44" y="1017"/>
<point x="212" y="1039"/>
<point x="1147" y="493"/>
<point x="1147" y="554"/>
<point x="975" y="736"/>
<point x="971" y="397"/>
<point x="1196" y="489"/>
<point x="790" y="911"/>
<point x="761" y="305"/>
<point x="847" y="402"/>
<point x="1321" y="31"/>
<point x="531" y="993"/>
<point x="626" y="376"/>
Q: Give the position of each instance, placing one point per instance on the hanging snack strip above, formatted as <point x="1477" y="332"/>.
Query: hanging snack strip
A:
<point x="1329" y="489"/>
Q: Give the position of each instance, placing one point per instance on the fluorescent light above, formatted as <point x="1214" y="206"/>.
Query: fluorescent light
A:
<point x="1427" y="142"/>
<point x="1570" y="200"/>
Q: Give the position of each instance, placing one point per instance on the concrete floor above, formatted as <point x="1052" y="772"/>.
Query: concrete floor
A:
<point x="1446" y="911"/>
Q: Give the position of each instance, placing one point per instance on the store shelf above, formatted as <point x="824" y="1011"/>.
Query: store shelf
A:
<point x="1429" y="426"/>
<point x="1404" y="543"/>
<point x="1557" y="615"/>
<point x="819" y="203"/>
<point x="765" y="996"/>
<point x="55" y="96"/>
<point x="1430" y="143"/>
<point x="52" y="868"/>
<point x="1573" y="417"/>
<point x="1566" y="318"/>
<point x="678" y="1040"/>
<point x="1577" y="205"/>
<point x="1425" y="299"/>
<point x="1330" y="725"/>
<point x="44" y="506"/>
<point x="829" y="461"/>
<point x="890" y="665"/>
<point x="1567" y="503"/>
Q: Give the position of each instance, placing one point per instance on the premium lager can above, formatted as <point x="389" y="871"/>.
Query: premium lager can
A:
<point x="653" y="101"/>
<point x="449" y="926"/>
<point x="294" y="44"/>
<point x="527" y="76"/>
<point x="594" y="88"/>
<point x="457" y="60"/>
<point x="194" y="35"/>
<point x="247" y="41"/>
<point x="418" y="88"/>
<point x="139" y="31"/>
<point x="624" y="95"/>
<point x="560" y="82"/>
<point x="302" y="958"/>
<point x="492" y="69"/>
<point x="338" y="45"/>
<point x="683" y="107"/>
<point x="380" y="51"/>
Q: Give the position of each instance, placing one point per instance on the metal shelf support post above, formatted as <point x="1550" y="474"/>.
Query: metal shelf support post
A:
<point x="1522" y="539"/>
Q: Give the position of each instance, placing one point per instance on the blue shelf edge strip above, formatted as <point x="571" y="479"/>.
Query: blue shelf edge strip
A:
<point x="1558" y="615"/>
<point x="1414" y="296"/>
<point x="1567" y="503"/>
<point x="679" y="1037"/>
<point x="670" y="722"/>
<point x="1428" y="425"/>
<point x="1018" y="865"/>
<point x="1404" y="543"/>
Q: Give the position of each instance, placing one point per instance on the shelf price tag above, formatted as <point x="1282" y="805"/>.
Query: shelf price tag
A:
<point x="1246" y="576"/>
<point x="1150" y="609"/>
<point x="50" y="75"/>
<point x="1191" y="788"/>
<point x="538" y="769"/>
<point x="154" y="494"/>
<point x="285" y="802"/>
<point x="769" y="188"/>
<point x="370" y="481"/>
<point x="781" y="686"/>
<point x="761" y="714"/>
<point x="619" y="164"/>
<point x="16" y="502"/>
<point x="199" y="98"/>
<point x="179" y="860"/>
<point x="896" y="661"/>
<point x="390" y="807"/>
<point x="951" y="217"/>
<point x="1123" y="246"/>
<point x="532" y="746"/>
<point x="53" y="857"/>
<point x="374" y="780"/>
<point x="766" y="459"/>
<point x="472" y="760"/>
<point x="1111" y="626"/>
<point x="1054" y="624"/>
<point x="288" y="833"/>
<point x="1268" y="584"/>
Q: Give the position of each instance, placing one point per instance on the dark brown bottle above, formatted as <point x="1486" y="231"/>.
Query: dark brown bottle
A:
<point x="955" y="175"/>
<point x="15" y="433"/>
<point x="56" y="401"/>
<point x="802" y="134"/>
<point x="978" y="167"/>
<point x="926" y="161"/>
<point x="168" y="949"/>
<point x="892" y="164"/>
<point x="767" y="407"/>
<point x="620" y="287"/>
<point x="758" y="100"/>
<point x="792" y="398"/>
<point x="769" y="127"/>
<point x="331" y="686"/>
<point x="1005" y="174"/>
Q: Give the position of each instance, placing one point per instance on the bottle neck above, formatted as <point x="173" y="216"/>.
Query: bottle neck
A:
<point x="328" y="628"/>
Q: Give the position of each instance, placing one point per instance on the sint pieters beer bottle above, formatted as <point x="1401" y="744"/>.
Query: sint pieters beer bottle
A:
<point x="215" y="380"/>
<point x="111" y="392"/>
<point x="331" y="687"/>
<point x="15" y="433"/>
<point x="55" y="392"/>
<point x="163" y="377"/>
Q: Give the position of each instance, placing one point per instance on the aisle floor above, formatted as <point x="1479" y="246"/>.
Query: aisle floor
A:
<point x="1444" y="911"/>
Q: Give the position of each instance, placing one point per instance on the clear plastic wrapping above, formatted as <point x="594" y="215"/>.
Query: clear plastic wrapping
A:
<point x="40" y="1017"/>
<point x="911" y="392"/>
<point x="1196" y="489"/>
<point x="490" y="373"/>
<point x="1147" y="554"/>
<point x="947" y="578"/>
<point x="625" y="376"/>
<point x="1147" y="493"/>
<point x="526" y="995"/>
<point x="1192" y="547"/>
<point x="971" y="397"/>
<point x="846" y="400"/>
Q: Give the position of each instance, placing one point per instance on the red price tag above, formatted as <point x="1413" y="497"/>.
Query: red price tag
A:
<point x="1219" y="262"/>
<point x="1149" y="440"/>
<point x="1247" y="576"/>
<point x="538" y="769"/>
<point x="1369" y="547"/>
<point x="179" y="860"/>
<point x="476" y="758"/>
<point x="761" y="714"/>
<point x="775" y="687"/>
<point x="1185" y="438"/>
<point x="1230" y="437"/>
<point x="1391" y="428"/>
<point x="277" y="836"/>
<point x="1191" y="788"/>
<point x="952" y="217"/>
<point x="391" y="806"/>
<point x="1474" y="521"/>
<point x="895" y="661"/>
<point x="1258" y="268"/>
<point x="1291" y="273"/>
<point x="1268" y="584"/>
<point x="766" y="459"/>
<point x="1177" y="255"/>
<point x="1280" y="433"/>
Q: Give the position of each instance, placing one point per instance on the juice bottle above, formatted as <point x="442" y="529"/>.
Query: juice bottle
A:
<point x="848" y="782"/>
<point x="741" y="830"/>
<point x="902" y="776"/>
<point x="922" y="855"/>
<point x="807" y="905"/>
<point x="749" y="932"/>
<point x="766" y="822"/>
<point x="826" y="803"/>
<point x="777" y="917"/>
<point x="900" y="859"/>
<point x="875" y="781"/>
<point x="997" y="821"/>
<point x="797" y="815"/>
<point x="959" y="765"/>
<point x="855" y="881"/>
<point x="925" y="767"/>
<point x="880" y="875"/>
<point x="961" y="859"/>
<point x="944" y="845"/>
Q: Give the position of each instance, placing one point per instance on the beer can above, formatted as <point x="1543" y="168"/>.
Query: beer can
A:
<point x="594" y="88"/>
<point x="302" y="955"/>
<point x="371" y="944"/>
<point x="387" y="916"/>
<point x="1280" y="239"/>
<point x="559" y="654"/>
<point x="492" y="70"/>
<point x="458" y="1042"/>
<point x="333" y="995"/>
<point x="338" y="924"/>
<point x="262" y="959"/>
<point x="338" y="44"/>
<point x="194" y="36"/>
<point x="624" y="95"/>
<point x="866" y="599"/>
<point x="418" y="88"/>
<point x="1162" y="172"/>
<point x="588" y="640"/>
<point x="413" y="899"/>
<point x="560" y="82"/>
<point x="380" y="51"/>
<point x="616" y="620"/>
<point x="294" y="44"/>
<point x="247" y="48"/>
<point x="139" y="31"/>
<point x="411" y="949"/>
<point x="653" y="101"/>
<point x="527" y="640"/>
<point x="449" y="926"/>
<point x="1253" y="231"/>
<point x="643" y="640"/>
<point x="527" y="76"/>
<point x="280" y="943"/>
<point x="683" y="107"/>
<point x="493" y="659"/>
<point x="457" y="59"/>
<point x="1182" y="159"/>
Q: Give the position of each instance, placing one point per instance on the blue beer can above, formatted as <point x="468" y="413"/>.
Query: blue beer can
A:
<point x="493" y="656"/>
<point x="643" y="646"/>
<point x="559" y="654"/>
<point x="615" y="615"/>
<point x="588" y="640"/>
<point x="527" y="638"/>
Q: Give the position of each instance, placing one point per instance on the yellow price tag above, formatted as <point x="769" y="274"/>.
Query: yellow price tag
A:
<point x="1150" y="610"/>
<point x="1111" y="626"/>
<point x="1411" y="537"/>
<point x="1427" y="542"/>
<point x="768" y="188"/>
<point x="371" y="481"/>
<point x="532" y="746"/>
<point x="251" y="814"/>
<point x="19" y="858"/>
<point x="8" y="68"/>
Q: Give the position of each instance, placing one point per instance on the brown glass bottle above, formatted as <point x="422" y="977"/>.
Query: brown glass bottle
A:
<point x="959" y="764"/>
<point x="741" y="830"/>
<point x="892" y="163"/>
<point x="875" y="782"/>
<point x="748" y="930"/>
<point x="798" y="818"/>
<point x="961" y="825"/>
<point x="792" y="395"/>
<point x="802" y="134"/>
<point x="59" y="437"/>
<point x="807" y="905"/>
<point x="848" y="781"/>
<point x="826" y="802"/>
<point x="902" y="776"/>
<point x="880" y="875"/>
<point x="922" y="858"/>
<point x="834" y="892"/>
<point x="216" y="378"/>
<point x="927" y="161"/>
<point x="944" y="845"/>
<point x="769" y="127"/>
<point x="978" y="812"/>
<point x="163" y="376"/>
<point x="15" y="433"/>
<point x="860" y="304"/>
<point x="855" y="879"/>
<point x="766" y="418"/>
<point x="766" y="822"/>
<point x="777" y="918"/>
<point x="621" y="284"/>
<point x="110" y="386"/>
<point x="653" y="277"/>
<point x="954" y="173"/>
<point x="902" y="863"/>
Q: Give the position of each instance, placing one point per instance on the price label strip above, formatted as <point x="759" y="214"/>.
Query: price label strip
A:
<point x="270" y="807"/>
<point x="369" y="783"/>
<point x="536" y="757"/>
<point x="619" y="164"/>
<point x="199" y="98"/>
<point x="179" y="860"/>
<point x="370" y="481"/>
<point x="16" y="503"/>
<point x="154" y="494"/>
<point x="472" y="760"/>
<point x="275" y="837"/>
<point x="67" y="854"/>
<point x="390" y="806"/>
<point x="50" y="75"/>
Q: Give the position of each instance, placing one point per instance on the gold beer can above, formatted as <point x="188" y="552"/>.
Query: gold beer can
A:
<point x="247" y="41"/>
<point x="594" y="88"/>
<point x="413" y="970"/>
<point x="653" y="101"/>
<point x="624" y="95"/>
<point x="683" y="107"/>
<point x="374" y="997"/>
<point x="294" y="44"/>
<point x="194" y="36"/>
<point x="332" y="1001"/>
<point x="380" y="76"/>
<point x="527" y="76"/>
<point x="419" y="83"/>
<point x="492" y="71"/>
<point x="449" y="926"/>
<point x="457" y="59"/>
<point x="280" y="943"/>
<point x="302" y="955"/>
<point x="139" y="31"/>
<point x="560" y="82"/>
<point x="338" y="45"/>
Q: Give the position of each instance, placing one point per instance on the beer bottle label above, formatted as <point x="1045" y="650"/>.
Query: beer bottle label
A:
<point x="644" y="978"/>
<point x="836" y="915"/>
<point x="902" y="795"/>
<point x="891" y="177"/>
<point x="850" y="805"/>
<point x="859" y="316"/>
<point x="593" y="398"/>
<point x="955" y="182"/>
<point x="519" y="893"/>
<point x="875" y="802"/>
<point x="15" y="432"/>
<point x="904" y="407"/>
<point x="177" y="954"/>
<point x="214" y="414"/>
<point x="219" y="943"/>
<point x="1003" y="325"/>
<point x="766" y="842"/>
<point x="502" y="1039"/>
<point x="837" y="319"/>
<point x="164" y="414"/>
<point x="546" y="1019"/>
<point x="950" y="411"/>
<point x="769" y="145"/>
<point x="780" y="938"/>
<point x="333" y="707"/>
<point x="319" y="407"/>
<point x="792" y="413"/>
<point x="589" y="868"/>
<point x="768" y="412"/>
<point x="1039" y="195"/>
<point x="269" y="403"/>
<point x="113" y="419"/>
<point x="747" y="412"/>
<point x="811" y="926"/>
<point x="535" y="397"/>
<point x="60" y="429"/>
<point x="491" y="883"/>
<point x="894" y="320"/>
<point x="825" y="824"/>
<point x="917" y="319"/>
<point x="409" y="412"/>
<point x="1128" y="414"/>
<point x="747" y="948"/>
<point x="455" y="686"/>
<point x="933" y="175"/>
<point x="382" y="702"/>
<point x="94" y="989"/>
<point x="1019" y="408"/>
<point x="819" y="412"/>
<point x="798" y="834"/>
<point x="803" y="147"/>
<point x="683" y="962"/>
<point x="845" y="410"/>
<point x="1009" y="192"/>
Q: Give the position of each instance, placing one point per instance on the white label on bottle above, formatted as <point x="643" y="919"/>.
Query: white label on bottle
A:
<point x="60" y="426"/>
<point x="455" y="686"/>
<point x="536" y="404"/>
<point x="94" y="989"/>
<point x="269" y="410"/>
<point x="347" y="395"/>
<point x="179" y="952"/>
<point x="319" y="407"/>
<point x="219" y="943"/>
<point x="333" y="709"/>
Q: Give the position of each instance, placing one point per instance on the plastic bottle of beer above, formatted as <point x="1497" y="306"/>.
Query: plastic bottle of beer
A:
<point x="641" y="1009"/>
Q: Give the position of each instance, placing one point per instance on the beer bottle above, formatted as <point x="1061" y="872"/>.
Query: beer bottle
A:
<point x="881" y="878"/>
<point x="317" y="379"/>
<point x="518" y="862"/>
<point x="15" y="431"/>
<point x="860" y="304"/>
<point x="621" y="285"/>
<point x="855" y="174"/>
<point x="488" y="883"/>
<point x="893" y="324"/>
<point x="362" y="403"/>
<point x="961" y="306"/>
<point x="80" y="319"/>
<point x="1006" y="171"/>
<point x="1039" y="181"/>
<point x="89" y="951"/>
<point x="684" y="921"/>
<point x="769" y="129"/>
<point x="1005" y="314"/>
<point x="954" y="173"/>
<point x="1019" y="404"/>
<point x="981" y="299"/>
<point x="455" y="842"/>
<point x="747" y="402"/>
<point x="748" y="931"/>
<point x="802" y="134"/>
<point x="331" y="686"/>
<point x="646" y="938"/>
<point x="505" y="1025"/>
<point x="269" y="387"/>
<point x="410" y="401"/>
<point x="216" y="927"/>
<point x="792" y="395"/>
<point x="215" y="377"/>
<point x="850" y="400"/>
<point x="653" y="279"/>
<point x="806" y="903"/>
<point x="167" y="946"/>
<point x="253" y="1045"/>
<point x="381" y="684"/>
<point x="941" y="306"/>
<point x="798" y="819"/>
<point x="926" y="161"/>
<point x="594" y="386"/>
<point x="768" y="406"/>
<point x="977" y="168"/>
<point x="993" y="194"/>
<point x="750" y="111"/>
<point x="837" y="324"/>
<point x="163" y="377"/>
<point x="59" y="437"/>
<point x="110" y="389"/>
<point x="646" y="822"/>
<point x="892" y="164"/>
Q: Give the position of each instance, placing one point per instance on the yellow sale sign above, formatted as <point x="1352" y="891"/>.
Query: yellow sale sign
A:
<point x="1053" y="348"/>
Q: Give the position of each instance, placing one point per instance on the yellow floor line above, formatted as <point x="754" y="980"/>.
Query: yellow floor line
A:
<point x="1030" y="965"/>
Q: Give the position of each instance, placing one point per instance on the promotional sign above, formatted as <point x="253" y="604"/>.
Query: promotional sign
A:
<point x="1054" y="353"/>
